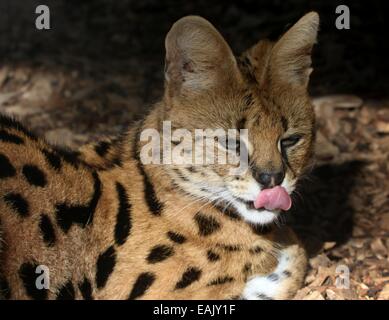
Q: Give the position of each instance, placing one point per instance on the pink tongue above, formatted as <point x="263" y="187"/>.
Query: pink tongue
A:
<point x="274" y="198"/>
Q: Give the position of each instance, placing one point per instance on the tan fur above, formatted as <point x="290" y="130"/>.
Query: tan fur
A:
<point x="205" y="88"/>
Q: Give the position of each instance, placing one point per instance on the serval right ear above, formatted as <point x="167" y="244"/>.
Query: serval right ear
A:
<point x="197" y="58"/>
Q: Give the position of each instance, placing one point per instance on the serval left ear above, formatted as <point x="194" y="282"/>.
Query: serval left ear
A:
<point x="287" y="61"/>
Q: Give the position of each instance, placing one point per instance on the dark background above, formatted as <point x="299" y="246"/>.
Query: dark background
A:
<point x="126" y="37"/>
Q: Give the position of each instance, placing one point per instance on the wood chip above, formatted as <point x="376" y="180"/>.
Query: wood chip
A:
<point x="329" y="245"/>
<point x="382" y="126"/>
<point x="384" y="294"/>
<point x="384" y="223"/>
<point x="378" y="247"/>
<point x="314" y="295"/>
<point x="339" y="101"/>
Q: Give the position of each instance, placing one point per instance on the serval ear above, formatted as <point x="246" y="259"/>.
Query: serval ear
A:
<point x="197" y="58"/>
<point x="287" y="61"/>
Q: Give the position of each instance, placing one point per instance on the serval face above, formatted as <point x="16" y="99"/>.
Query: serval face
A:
<point x="264" y="91"/>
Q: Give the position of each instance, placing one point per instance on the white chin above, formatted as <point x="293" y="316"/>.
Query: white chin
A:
<point x="262" y="217"/>
<point x="259" y="216"/>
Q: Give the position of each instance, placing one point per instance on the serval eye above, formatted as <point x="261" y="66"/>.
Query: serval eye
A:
<point x="290" y="141"/>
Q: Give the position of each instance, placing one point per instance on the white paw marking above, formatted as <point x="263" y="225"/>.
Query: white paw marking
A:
<point x="268" y="287"/>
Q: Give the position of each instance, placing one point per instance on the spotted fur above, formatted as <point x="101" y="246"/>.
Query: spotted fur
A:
<point x="107" y="226"/>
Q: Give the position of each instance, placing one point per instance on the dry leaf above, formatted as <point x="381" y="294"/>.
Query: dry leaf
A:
<point x="329" y="245"/>
<point x="314" y="295"/>
<point x="378" y="247"/>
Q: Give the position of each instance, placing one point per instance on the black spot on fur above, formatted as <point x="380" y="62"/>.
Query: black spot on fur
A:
<point x="159" y="253"/>
<point x="86" y="289"/>
<point x="66" y="292"/>
<point x="176" y="237"/>
<point x="7" y="170"/>
<point x="8" y="122"/>
<point x="5" y="290"/>
<point x="142" y="284"/>
<point x="71" y="157"/>
<point x="47" y="230"/>
<point x="207" y="225"/>
<point x="67" y="215"/>
<point x="102" y="148"/>
<point x="28" y="276"/>
<point x="34" y="175"/>
<point x="190" y="275"/>
<point x="212" y="256"/>
<point x="284" y="123"/>
<point x="104" y="267"/>
<point x="261" y="230"/>
<point x="256" y="250"/>
<point x="230" y="213"/>
<point x="220" y="280"/>
<point x="18" y="203"/>
<point x="123" y="218"/>
<point x="273" y="277"/>
<point x="286" y="273"/>
<point x="53" y="159"/>
<point x="10" y="138"/>
<point x="247" y="268"/>
<point x="154" y="205"/>
<point x="263" y="296"/>
<point x="230" y="247"/>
